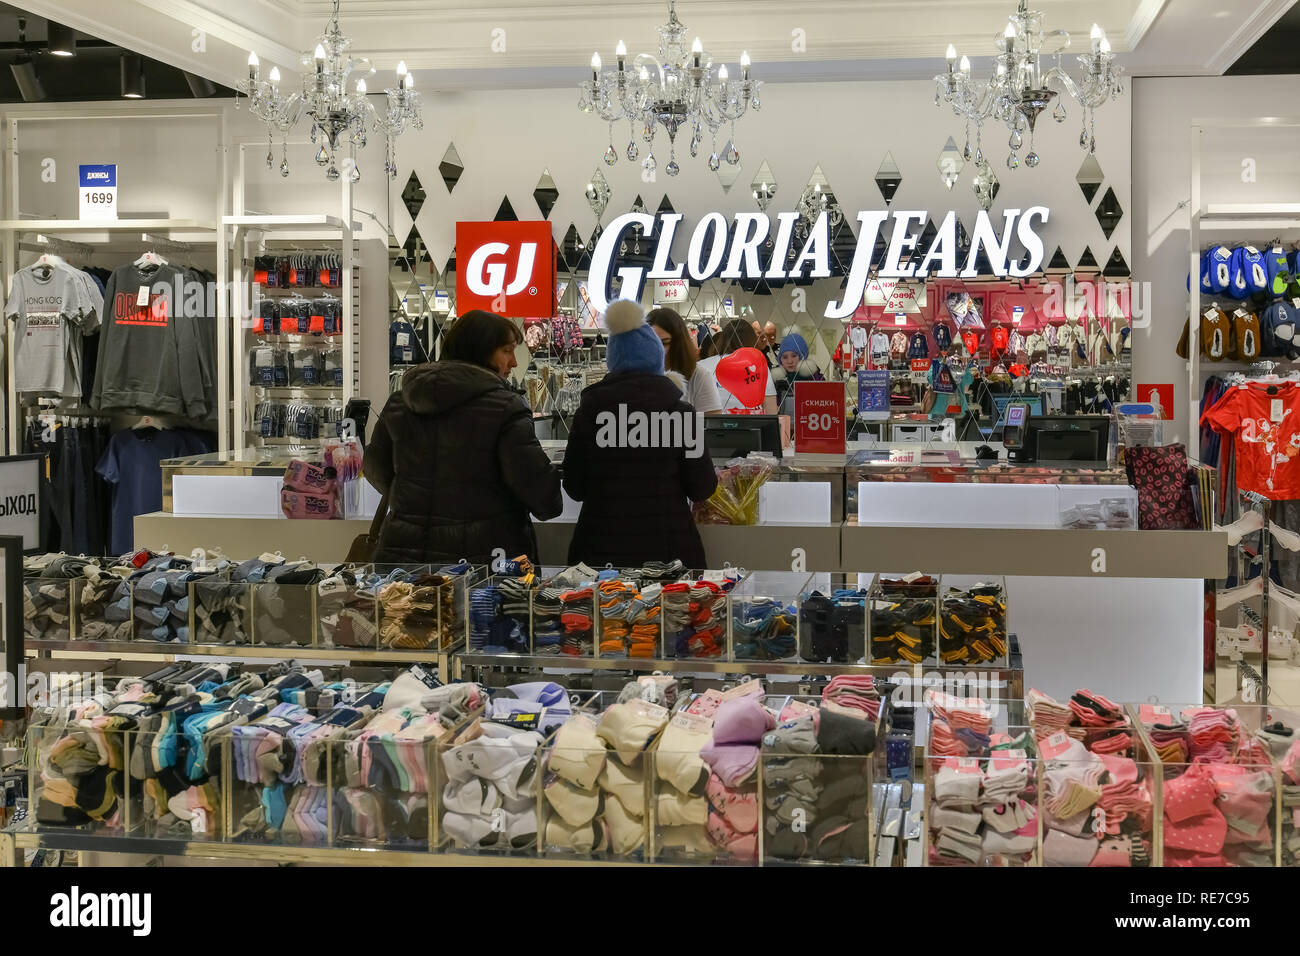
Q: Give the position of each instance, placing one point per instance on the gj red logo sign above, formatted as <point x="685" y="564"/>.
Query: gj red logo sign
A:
<point x="505" y="267"/>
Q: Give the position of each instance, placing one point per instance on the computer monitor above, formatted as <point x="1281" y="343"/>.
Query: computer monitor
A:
<point x="1069" y="438"/>
<point x="735" y="436"/>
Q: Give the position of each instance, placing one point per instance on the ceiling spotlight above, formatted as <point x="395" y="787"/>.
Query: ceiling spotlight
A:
<point x="29" y="84"/>
<point x="132" y="76"/>
<point x="62" y="39"/>
<point x="200" y="86"/>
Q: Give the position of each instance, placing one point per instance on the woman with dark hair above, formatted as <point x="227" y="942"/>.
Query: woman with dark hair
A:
<point x="682" y="356"/>
<point x="455" y="455"/>
<point x="738" y="334"/>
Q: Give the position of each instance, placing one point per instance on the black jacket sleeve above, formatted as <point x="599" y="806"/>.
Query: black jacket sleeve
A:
<point x="526" y="469"/>
<point x="698" y="474"/>
<point x="377" y="465"/>
<point x="577" y="455"/>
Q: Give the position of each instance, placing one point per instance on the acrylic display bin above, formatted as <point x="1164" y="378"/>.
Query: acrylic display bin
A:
<point x="347" y="614"/>
<point x="1242" y="800"/>
<point x="763" y="616"/>
<point x="695" y="616"/>
<point x="429" y="610"/>
<point x="49" y="608"/>
<point x="972" y="621"/>
<point x="106" y="781"/>
<point x="902" y="619"/>
<point x="1077" y="830"/>
<point x="832" y="629"/>
<point x="588" y="790"/>
<point x="562" y="618"/>
<point x="957" y="795"/>
<point x="221" y="610"/>
<point x="500" y="613"/>
<point x="381" y="791"/>
<point x="628" y="624"/>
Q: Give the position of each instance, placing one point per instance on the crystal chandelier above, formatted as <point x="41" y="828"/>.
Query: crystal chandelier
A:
<point x="678" y="88"/>
<point x="1019" y="89"/>
<point x="337" y="104"/>
<point x="813" y="201"/>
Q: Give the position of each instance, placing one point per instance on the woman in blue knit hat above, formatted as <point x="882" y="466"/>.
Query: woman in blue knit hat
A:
<point x="795" y="367"/>
<point x="636" y="456"/>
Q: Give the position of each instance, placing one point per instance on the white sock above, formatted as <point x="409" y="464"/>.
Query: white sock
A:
<point x="1250" y="521"/>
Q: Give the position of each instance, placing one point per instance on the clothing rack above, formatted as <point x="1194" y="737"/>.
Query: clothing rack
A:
<point x="1265" y="507"/>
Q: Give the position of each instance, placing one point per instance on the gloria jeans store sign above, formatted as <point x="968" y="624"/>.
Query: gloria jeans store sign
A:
<point x="710" y="254"/>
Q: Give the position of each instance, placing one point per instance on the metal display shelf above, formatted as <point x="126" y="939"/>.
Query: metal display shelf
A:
<point x="105" y="225"/>
<point x="697" y="665"/>
<point x="13" y="843"/>
<point x="266" y="651"/>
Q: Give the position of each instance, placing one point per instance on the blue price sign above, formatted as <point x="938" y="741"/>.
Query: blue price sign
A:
<point x="97" y="191"/>
<point x="873" y="391"/>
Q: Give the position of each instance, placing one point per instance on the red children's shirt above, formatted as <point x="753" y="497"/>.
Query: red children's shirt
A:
<point x="1266" y="437"/>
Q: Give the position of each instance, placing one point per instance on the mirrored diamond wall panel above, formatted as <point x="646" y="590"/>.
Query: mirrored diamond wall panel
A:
<point x="1090" y="178"/>
<point x="598" y="193"/>
<point x="413" y="196"/>
<point x="727" y="176"/>
<point x="950" y="163"/>
<point x="505" y="212"/>
<point x="546" y="194"/>
<point x="1109" y="213"/>
<point x="451" y="168"/>
<point x="763" y="186"/>
<point x="888" y="178"/>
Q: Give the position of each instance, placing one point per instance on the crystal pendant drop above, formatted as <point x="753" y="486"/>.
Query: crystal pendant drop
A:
<point x="611" y="155"/>
<point x="1058" y="114"/>
<point x="332" y="174"/>
<point x="966" y="153"/>
<point x="313" y="132"/>
<point x="632" y="151"/>
<point x="650" y="165"/>
<point x="714" y="162"/>
<point x="1083" y="139"/>
<point x="731" y="154"/>
<point x="355" y="175"/>
<point x="284" y="167"/>
<point x="672" y="169"/>
<point x="757" y="101"/>
<point x="1092" y="145"/>
<point x="1016" y="140"/>
<point x="270" y="159"/>
<point x="1031" y="160"/>
<point x="936" y="98"/>
<point x="1013" y="161"/>
<point x="979" y="156"/>
<point x="695" y="142"/>
<point x="648" y="133"/>
<point x="322" y="157"/>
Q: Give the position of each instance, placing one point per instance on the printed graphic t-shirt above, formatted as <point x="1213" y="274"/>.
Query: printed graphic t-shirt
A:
<point x="51" y="315"/>
<point x="1266" y="434"/>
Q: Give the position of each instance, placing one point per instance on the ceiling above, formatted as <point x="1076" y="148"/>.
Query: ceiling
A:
<point x="1275" y="51"/>
<point x="461" y="44"/>
<point x="94" y="74"/>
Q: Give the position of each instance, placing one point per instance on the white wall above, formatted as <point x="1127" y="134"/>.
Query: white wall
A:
<point x="1164" y="110"/>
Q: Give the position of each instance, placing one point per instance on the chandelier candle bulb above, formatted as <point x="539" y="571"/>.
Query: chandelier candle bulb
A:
<point x="697" y="48"/>
<point x="722" y="73"/>
<point x="408" y="82"/>
<point x="595" y="67"/>
<point x="319" y="56"/>
<point x="252" y="67"/>
<point x="744" y="65"/>
<point x="621" y="52"/>
<point x="965" y="66"/>
<point x="1096" y="37"/>
<point x="951" y="57"/>
<point x="275" y="76"/>
<point x="1104" y="45"/>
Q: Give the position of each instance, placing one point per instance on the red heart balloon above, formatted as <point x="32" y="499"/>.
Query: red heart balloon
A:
<point x="743" y="373"/>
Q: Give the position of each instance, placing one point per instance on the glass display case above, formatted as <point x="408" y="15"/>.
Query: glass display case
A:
<point x="903" y="621"/>
<point x="763" y="616"/>
<point x="1220" y="792"/>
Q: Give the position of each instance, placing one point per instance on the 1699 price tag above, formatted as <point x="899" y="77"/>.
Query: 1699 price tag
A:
<point x="819" y="418"/>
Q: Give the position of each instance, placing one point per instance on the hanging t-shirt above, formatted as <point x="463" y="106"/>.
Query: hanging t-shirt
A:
<point x="1264" y="421"/>
<point x="879" y="348"/>
<point x="131" y="464"/>
<point x="51" y="314"/>
<point x="972" y="342"/>
<point x="999" y="338"/>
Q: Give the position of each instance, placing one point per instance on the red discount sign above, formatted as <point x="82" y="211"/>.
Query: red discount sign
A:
<point x="819" y="418"/>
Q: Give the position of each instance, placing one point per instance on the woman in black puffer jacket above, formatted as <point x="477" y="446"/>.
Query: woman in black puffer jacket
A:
<point x="636" y="500"/>
<point x="455" y="452"/>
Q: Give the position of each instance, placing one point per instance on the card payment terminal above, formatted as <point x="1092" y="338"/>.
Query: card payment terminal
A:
<point x="1015" y="431"/>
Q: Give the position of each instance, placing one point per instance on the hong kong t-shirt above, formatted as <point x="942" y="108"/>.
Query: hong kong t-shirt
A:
<point x="1265" y="429"/>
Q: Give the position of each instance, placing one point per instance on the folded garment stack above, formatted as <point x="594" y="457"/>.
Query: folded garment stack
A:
<point x="764" y="629"/>
<point x="903" y="619"/>
<point x="973" y="625"/>
<point x="833" y="629"/>
<point x="1283" y="743"/>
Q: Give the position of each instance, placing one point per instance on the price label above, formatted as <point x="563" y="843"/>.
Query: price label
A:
<point x="1017" y="315"/>
<point x="97" y="192"/>
<point x="819" y="418"/>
